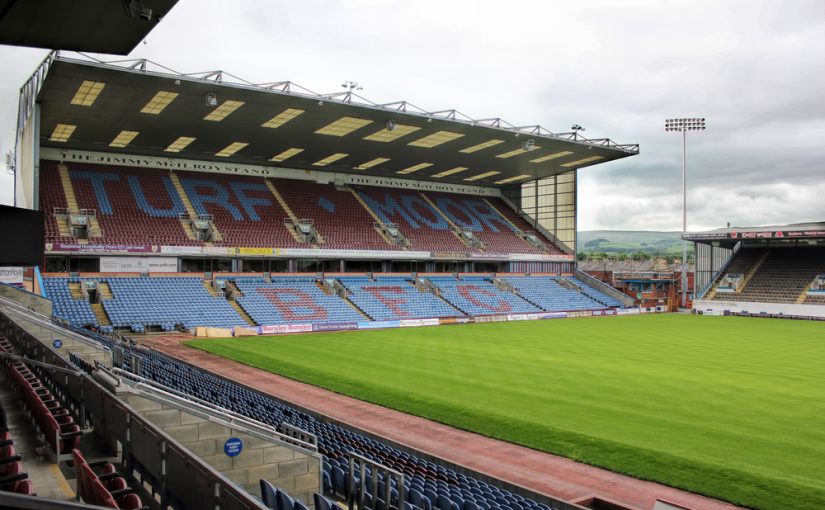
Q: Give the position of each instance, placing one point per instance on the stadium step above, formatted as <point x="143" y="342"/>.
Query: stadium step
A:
<point x="104" y="290"/>
<point x="100" y="314"/>
<point x="289" y="213"/>
<point x="804" y="295"/>
<point x="76" y="290"/>
<point x="372" y="213"/>
<point x="190" y="210"/>
<point x="68" y="189"/>
<point x="187" y="228"/>
<point x="210" y="288"/>
<point x="355" y="307"/>
<point x="505" y="218"/>
<point x="454" y="229"/>
<point x="242" y="313"/>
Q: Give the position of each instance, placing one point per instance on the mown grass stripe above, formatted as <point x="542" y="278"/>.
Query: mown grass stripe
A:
<point x="729" y="407"/>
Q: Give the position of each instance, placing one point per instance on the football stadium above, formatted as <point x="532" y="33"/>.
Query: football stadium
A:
<point x="230" y="295"/>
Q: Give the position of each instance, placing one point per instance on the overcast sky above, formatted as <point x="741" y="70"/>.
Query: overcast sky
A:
<point x="755" y="69"/>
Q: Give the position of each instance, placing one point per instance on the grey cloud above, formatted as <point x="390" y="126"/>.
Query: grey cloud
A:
<point x="754" y="69"/>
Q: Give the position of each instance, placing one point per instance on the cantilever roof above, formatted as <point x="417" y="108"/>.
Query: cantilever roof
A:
<point x="100" y="26"/>
<point x="132" y="110"/>
<point x="810" y="232"/>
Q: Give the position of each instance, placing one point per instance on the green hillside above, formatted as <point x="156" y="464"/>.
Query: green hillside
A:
<point x="630" y="241"/>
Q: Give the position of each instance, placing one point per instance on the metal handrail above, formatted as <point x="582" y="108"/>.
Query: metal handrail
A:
<point x="231" y="417"/>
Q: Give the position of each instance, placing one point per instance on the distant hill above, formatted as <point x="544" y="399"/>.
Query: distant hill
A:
<point x="630" y="241"/>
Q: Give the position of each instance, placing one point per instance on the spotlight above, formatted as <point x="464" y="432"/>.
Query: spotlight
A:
<point x="390" y="125"/>
<point x="211" y="99"/>
<point x="528" y="145"/>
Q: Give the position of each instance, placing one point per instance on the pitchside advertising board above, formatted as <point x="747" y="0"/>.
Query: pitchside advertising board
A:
<point x="138" y="264"/>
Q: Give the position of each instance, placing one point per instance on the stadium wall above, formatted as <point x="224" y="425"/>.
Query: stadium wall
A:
<point x="713" y="307"/>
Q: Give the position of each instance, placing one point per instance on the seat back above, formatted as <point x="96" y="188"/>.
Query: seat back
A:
<point x="269" y="494"/>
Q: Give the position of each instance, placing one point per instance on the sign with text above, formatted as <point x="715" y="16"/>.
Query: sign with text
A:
<point x="233" y="447"/>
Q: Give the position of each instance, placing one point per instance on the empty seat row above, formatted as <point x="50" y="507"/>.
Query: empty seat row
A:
<point x="478" y="296"/>
<point x="99" y="483"/>
<point x="387" y="299"/>
<point x="549" y="294"/>
<point x="53" y="420"/>
<point x="12" y="476"/>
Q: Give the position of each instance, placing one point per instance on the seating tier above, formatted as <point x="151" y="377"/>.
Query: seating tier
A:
<point x="337" y="215"/>
<point x="478" y="296"/>
<point x="291" y="300"/>
<point x="550" y="295"/>
<point x="134" y="206"/>
<point x="244" y="210"/>
<point x="391" y="298"/>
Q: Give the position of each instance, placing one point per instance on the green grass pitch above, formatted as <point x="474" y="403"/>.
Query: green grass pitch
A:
<point x="733" y="408"/>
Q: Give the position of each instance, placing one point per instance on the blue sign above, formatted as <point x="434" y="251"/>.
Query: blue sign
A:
<point x="58" y="343"/>
<point x="233" y="447"/>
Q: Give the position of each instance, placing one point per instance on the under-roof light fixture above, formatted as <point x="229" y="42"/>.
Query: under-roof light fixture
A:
<point x="548" y="157"/>
<point x="211" y="99"/>
<point x="123" y="139"/>
<point x="282" y="118"/>
<point x="87" y="93"/>
<point x="159" y="102"/>
<point x="181" y="143"/>
<point x="414" y="168"/>
<point x="371" y="163"/>
<point x="331" y="159"/>
<point x="482" y="176"/>
<point x="387" y="135"/>
<point x="481" y="146"/>
<point x="581" y="161"/>
<point x="451" y="171"/>
<point x="516" y="152"/>
<point x="435" y="139"/>
<point x="513" y="179"/>
<point x="62" y="133"/>
<point x="224" y="110"/>
<point x="231" y="149"/>
<point x="390" y="125"/>
<point x="286" y="154"/>
<point x="343" y="126"/>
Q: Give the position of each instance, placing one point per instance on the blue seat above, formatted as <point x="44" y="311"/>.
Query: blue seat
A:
<point x="269" y="494"/>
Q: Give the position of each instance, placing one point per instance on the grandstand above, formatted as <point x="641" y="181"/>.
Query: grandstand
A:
<point x="183" y="302"/>
<point x="179" y="205"/>
<point x="277" y="211"/>
<point x="774" y="270"/>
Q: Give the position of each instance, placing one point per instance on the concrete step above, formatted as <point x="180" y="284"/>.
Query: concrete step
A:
<point x="454" y="228"/>
<point x="100" y="314"/>
<point x="287" y="209"/>
<point x="245" y="316"/>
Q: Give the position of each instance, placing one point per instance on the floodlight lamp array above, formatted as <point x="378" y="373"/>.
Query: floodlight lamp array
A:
<point x="685" y="124"/>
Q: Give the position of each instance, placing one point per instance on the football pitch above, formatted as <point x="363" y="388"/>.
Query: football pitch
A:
<point x="729" y="407"/>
